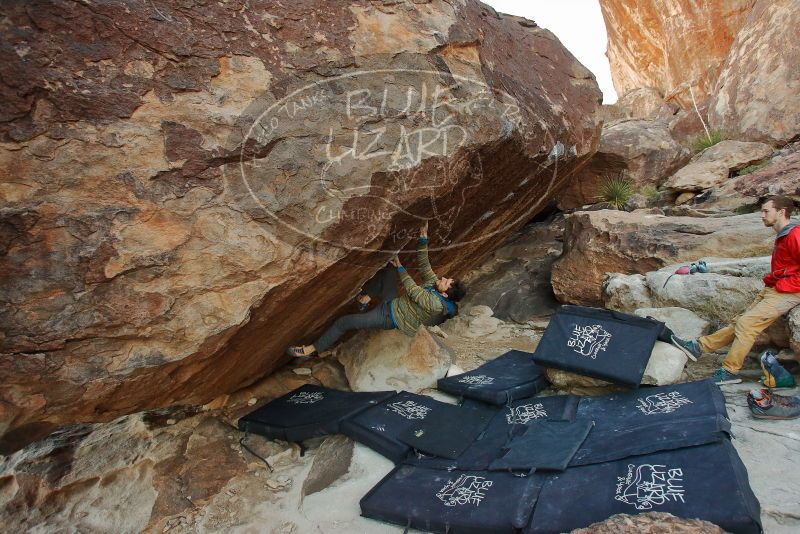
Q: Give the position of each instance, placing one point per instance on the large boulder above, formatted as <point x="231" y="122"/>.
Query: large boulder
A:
<point x="778" y="176"/>
<point x="756" y="96"/>
<point x="715" y="164"/>
<point x="641" y="103"/>
<point x="716" y="298"/>
<point x="606" y="241"/>
<point x="684" y="323"/>
<point x="793" y="320"/>
<point x="665" y="365"/>
<point x="643" y="151"/>
<point x="196" y="188"/>
<point x="670" y="45"/>
<point x="383" y="360"/>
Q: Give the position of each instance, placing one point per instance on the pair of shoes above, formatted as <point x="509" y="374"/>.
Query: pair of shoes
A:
<point x="723" y="376"/>
<point x="689" y="346"/>
<point x="775" y="376"/>
<point x="699" y="267"/>
<point x="764" y="404"/>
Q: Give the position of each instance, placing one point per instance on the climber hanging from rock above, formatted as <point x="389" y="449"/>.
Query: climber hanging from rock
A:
<point x="429" y="304"/>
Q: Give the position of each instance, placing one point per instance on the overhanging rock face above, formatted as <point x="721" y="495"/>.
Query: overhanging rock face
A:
<point x="189" y="190"/>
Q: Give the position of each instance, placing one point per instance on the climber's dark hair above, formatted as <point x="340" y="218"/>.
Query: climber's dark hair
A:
<point x="780" y="202"/>
<point x="457" y="291"/>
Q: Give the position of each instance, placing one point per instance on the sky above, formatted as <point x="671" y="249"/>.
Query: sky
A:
<point x="579" y="26"/>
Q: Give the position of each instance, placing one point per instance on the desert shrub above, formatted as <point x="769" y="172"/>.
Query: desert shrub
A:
<point x="616" y="190"/>
<point x="650" y="192"/>
<point x="752" y="168"/>
<point x="707" y="140"/>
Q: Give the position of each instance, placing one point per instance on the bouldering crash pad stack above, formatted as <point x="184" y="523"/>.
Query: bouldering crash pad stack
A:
<point x="507" y="461"/>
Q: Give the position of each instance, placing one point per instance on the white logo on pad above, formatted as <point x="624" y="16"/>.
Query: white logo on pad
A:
<point x="589" y="340"/>
<point x="409" y="409"/>
<point x="522" y="415"/>
<point x="306" y="398"/>
<point x="477" y="380"/>
<point x="467" y="489"/>
<point x="650" y="485"/>
<point x="662" y="403"/>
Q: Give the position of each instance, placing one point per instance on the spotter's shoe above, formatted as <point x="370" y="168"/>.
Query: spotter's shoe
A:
<point x="764" y="404"/>
<point x="723" y="376"/>
<point x="690" y="347"/>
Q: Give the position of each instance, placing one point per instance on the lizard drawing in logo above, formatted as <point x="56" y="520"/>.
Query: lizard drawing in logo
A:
<point x="466" y="489"/>
<point x="650" y="485"/>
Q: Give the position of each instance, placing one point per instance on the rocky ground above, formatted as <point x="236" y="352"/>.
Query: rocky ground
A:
<point x="184" y="469"/>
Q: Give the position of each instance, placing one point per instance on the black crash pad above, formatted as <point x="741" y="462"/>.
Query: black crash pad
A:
<point x="649" y="420"/>
<point x="308" y="411"/>
<point x="506" y="423"/>
<point x="461" y="502"/>
<point x="447" y="431"/>
<point x="508" y="377"/>
<point x="545" y="445"/>
<point x="378" y="427"/>
<point x="707" y="482"/>
<point x="612" y="444"/>
<point x="650" y="404"/>
<point x="600" y="343"/>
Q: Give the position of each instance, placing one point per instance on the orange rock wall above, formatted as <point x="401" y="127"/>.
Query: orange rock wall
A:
<point x="670" y="44"/>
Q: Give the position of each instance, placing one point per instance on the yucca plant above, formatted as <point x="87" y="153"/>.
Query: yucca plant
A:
<point x="616" y="190"/>
<point x="709" y="139"/>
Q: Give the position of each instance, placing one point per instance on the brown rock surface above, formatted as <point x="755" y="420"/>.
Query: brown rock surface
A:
<point x="757" y="95"/>
<point x="715" y="164"/>
<point x="650" y="523"/>
<point x="515" y="280"/>
<point x="606" y="241"/>
<point x="670" y="44"/>
<point x="642" y="150"/>
<point x="779" y="176"/>
<point x="141" y="270"/>
<point x="385" y="360"/>
<point x="642" y="103"/>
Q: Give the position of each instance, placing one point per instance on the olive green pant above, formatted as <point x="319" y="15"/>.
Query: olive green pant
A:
<point x="768" y="306"/>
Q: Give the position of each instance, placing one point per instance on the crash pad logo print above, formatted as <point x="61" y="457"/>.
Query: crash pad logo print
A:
<point x="649" y="485"/>
<point x="466" y="489"/>
<point x="522" y="415"/>
<point x="409" y="409"/>
<point x="305" y="397"/>
<point x="477" y="380"/>
<point x="661" y="403"/>
<point x="589" y="340"/>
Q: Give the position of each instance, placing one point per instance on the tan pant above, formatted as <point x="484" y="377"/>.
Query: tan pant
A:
<point x="765" y="310"/>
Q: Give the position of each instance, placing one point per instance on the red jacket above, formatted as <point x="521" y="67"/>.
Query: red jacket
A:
<point x="785" y="275"/>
